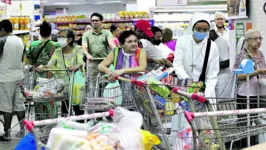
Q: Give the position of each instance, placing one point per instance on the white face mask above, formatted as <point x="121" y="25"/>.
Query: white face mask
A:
<point x="62" y="42"/>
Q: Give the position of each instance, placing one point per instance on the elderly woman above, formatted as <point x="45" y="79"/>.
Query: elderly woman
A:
<point x="251" y="51"/>
<point x="128" y="59"/>
<point x="69" y="56"/>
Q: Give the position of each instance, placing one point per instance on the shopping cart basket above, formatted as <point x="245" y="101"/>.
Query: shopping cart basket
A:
<point x="234" y="127"/>
<point x="154" y="120"/>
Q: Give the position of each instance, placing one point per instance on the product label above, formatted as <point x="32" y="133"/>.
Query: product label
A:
<point x="28" y="26"/>
<point x="16" y="26"/>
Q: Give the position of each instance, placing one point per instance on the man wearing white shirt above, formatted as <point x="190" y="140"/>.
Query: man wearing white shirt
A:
<point x="197" y="57"/>
<point x="143" y="31"/>
<point x="220" y="35"/>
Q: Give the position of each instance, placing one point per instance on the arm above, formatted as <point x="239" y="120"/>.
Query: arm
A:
<point x="238" y="61"/>
<point x="85" y="48"/>
<point x="212" y="71"/>
<point x="225" y="64"/>
<point x="103" y="66"/>
<point x="178" y="62"/>
<point x="244" y="77"/>
<point x="142" y="64"/>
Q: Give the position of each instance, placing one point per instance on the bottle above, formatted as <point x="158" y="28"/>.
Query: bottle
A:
<point x="21" y="23"/>
<point x="16" y="23"/>
<point x="165" y="73"/>
<point x="27" y="23"/>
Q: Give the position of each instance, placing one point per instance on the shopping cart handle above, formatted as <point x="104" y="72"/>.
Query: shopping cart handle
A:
<point x="138" y="82"/>
<point x="111" y="112"/>
<point x="196" y="97"/>
<point x="189" y="116"/>
<point x="29" y="125"/>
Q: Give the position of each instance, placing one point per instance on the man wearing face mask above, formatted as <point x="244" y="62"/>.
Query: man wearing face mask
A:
<point x="197" y="57"/>
<point x="157" y="35"/>
<point x="220" y="35"/>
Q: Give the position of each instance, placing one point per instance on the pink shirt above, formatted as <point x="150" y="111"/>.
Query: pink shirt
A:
<point x="171" y="44"/>
<point x="116" y="42"/>
<point x="242" y="85"/>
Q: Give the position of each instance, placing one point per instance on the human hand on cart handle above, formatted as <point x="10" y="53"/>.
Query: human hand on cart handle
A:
<point x="40" y="68"/>
<point x="114" y="74"/>
<point x="74" y="68"/>
<point x="89" y="57"/>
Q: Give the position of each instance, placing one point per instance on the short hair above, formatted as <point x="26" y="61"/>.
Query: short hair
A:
<point x="218" y="13"/>
<point x="126" y="34"/>
<point x="249" y="33"/>
<point x="167" y="35"/>
<point x="69" y="34"/>
<point x="6" y="25"/>
<point x="97" y="15"/>
<point x="45" y="29"/>
<point x="155" y="29"/>
<point x="113" y="28"/>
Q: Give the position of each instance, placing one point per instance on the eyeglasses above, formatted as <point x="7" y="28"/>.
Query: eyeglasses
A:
<point x="95" y="20"/>
<point x="256" y="38"/>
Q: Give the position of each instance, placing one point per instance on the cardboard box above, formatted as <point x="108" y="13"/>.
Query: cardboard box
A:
<point x="257" y="147"/>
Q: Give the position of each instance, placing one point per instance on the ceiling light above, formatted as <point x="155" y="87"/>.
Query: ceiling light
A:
<point x="62" y="3"/>
<point x="107" y="2"/>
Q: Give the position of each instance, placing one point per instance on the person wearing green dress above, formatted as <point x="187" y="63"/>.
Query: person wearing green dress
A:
<point x="39" y="53"/>
<point x="69" y="56"/>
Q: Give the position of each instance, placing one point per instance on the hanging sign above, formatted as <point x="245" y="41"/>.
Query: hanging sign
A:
<point x="240" y="31"/>
<point x="237" y="9"/>
<point x="3" y="1"/>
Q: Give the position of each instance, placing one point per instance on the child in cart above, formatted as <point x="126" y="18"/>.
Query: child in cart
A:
<point x="67" y="57"/>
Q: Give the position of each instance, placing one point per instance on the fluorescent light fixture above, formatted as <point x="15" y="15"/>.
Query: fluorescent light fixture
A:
<point x="62" y="3"/>
<point x="107" y="2"/>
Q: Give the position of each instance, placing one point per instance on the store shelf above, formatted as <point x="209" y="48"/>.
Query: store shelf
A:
<point x="86" y="22"/>
<point x="16" y="32"/>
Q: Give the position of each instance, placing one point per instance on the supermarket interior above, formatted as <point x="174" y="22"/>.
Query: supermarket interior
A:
<point x="64" y="47"/>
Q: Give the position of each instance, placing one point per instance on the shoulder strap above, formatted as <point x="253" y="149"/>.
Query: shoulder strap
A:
<point x="213" y="35"/>
<point x="203" y="73"/>
<point x="40" y="51"/>
<point x="116" y="50"/>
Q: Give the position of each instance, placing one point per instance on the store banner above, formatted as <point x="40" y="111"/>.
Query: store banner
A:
<point x="170" y="2"/>
<point x="240" y="31"/>
<point x="151" y="21"/>
<point x="237" y="9"/>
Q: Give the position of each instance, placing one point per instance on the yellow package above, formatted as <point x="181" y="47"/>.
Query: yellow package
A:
<point x="169" y="108"/>
<point x="175" y="98"/>
<point x="149" y="139"/>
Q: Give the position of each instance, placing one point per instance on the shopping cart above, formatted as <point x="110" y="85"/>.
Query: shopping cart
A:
<point x="53" y="89"/>
<point x="41" y="129"/>
<point x="232" y="125"/>
<point x="228" y="128"/>
<point x="157" y="114"/>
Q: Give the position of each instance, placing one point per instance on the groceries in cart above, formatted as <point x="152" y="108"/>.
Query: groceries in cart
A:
<point x="121" y="134"/>
<point x="46" y="88"/>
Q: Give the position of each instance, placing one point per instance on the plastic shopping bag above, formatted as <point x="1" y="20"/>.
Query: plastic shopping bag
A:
<point x="113" y="92"/>
<point x="79" y="81"/>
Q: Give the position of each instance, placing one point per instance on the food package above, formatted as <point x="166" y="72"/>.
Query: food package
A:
<point x="158" y="87"/>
